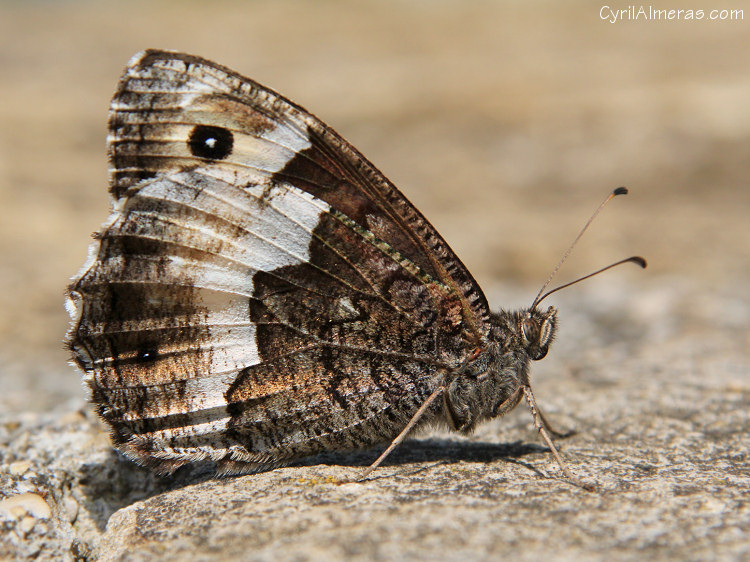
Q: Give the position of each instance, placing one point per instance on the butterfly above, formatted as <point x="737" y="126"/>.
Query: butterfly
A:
<point x="261" y="292"/>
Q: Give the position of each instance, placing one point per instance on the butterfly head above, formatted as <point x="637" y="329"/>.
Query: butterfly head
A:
<point x="536" y="330"/>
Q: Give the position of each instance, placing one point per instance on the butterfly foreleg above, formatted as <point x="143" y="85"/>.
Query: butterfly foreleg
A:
<point x="471" y="393"/>
<point x="458" y="403"/>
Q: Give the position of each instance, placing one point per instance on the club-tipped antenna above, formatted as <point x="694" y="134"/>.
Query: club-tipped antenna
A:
<point x="615" y="193"/>
<point x="638" y="260"/>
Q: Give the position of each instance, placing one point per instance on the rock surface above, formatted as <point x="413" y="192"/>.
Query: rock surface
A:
<point x="662" y="415"/>
<point x="504" y="122"/>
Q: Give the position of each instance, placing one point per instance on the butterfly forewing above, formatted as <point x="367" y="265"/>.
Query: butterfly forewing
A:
<point x="261" y="292"/>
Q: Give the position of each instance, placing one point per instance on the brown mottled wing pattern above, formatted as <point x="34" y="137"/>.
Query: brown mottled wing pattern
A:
<point x="260" y="292"/>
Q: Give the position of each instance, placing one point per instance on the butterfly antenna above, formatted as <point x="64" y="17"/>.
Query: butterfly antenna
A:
<point x="539" y="297"/>
<point x="638" y="260"/>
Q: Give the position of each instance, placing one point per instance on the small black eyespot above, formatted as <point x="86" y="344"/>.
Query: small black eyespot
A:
<point x="147" y="354"/>
<point x="214" y="143"/>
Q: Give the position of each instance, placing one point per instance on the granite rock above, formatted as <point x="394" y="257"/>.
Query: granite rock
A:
<point x="662" y="416"/>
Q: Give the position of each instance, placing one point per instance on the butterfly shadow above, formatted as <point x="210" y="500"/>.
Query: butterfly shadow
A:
<point x="432" y="451"/>
<point x="115" y="482"/>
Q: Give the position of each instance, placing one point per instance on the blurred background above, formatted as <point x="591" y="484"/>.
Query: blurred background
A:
<point x="505" y="122"/>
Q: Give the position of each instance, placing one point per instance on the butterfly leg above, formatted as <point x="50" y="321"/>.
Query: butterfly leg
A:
<point x="552" y="431"/>
<point x="460" y="403"/>
<point x="401" y="436"/>
<point x="540" y="426"/>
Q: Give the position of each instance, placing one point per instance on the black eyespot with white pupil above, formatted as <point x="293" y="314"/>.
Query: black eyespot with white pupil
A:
<point x="146" y="354"/>
<point x="213" y="143"/>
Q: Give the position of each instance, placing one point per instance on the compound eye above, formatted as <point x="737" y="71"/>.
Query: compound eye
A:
<point x="530" y="331"/>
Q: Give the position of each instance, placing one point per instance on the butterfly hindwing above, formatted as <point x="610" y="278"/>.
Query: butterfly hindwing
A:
<point x="260" y="292"/>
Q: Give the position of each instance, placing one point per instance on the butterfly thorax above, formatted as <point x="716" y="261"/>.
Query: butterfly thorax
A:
<point x="492" y="382"/>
